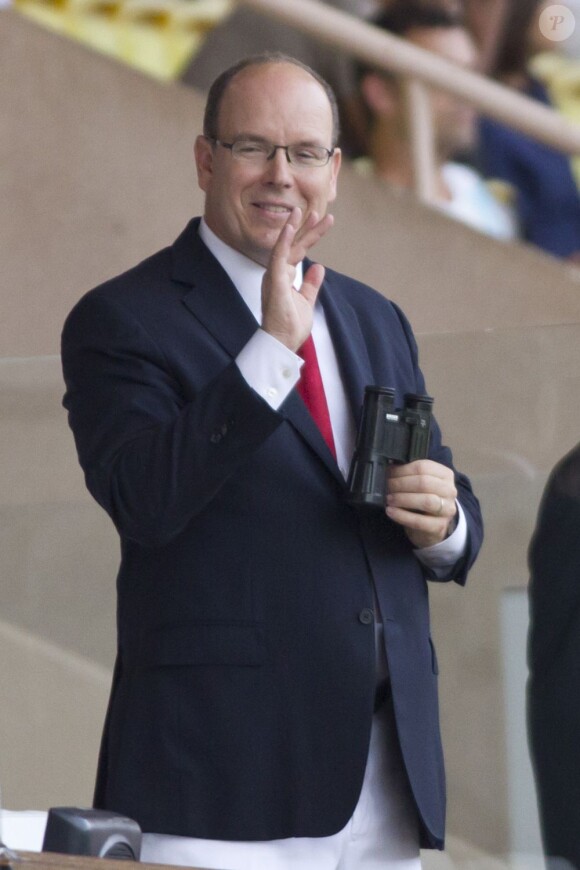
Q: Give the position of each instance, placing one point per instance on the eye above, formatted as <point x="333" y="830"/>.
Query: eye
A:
<point x="306" y="155"/>
<point x="309" y="155"/>
<point x="248" y="148"/>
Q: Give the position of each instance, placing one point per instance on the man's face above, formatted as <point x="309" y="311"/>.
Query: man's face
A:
<point x="247" y="204"/>
<point x="453" y="119"/>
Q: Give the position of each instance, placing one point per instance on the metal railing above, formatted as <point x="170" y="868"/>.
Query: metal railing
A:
<point x="422" y="71"/>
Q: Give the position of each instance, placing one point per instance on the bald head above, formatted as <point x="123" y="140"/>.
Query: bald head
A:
<point x="220" y="86"/>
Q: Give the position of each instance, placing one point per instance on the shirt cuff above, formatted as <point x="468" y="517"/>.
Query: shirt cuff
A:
<point x="439" y="558"/>
<point x="269" y="367"/>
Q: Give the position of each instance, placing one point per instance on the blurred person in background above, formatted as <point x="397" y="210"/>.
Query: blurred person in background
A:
<point x="547" y="198"/>
<point x="554" y="663"/>
<point x="485" y="19"/>
<point x="460" y="190"/>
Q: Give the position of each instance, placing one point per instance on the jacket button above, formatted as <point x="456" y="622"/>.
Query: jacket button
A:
<point x="219" y="433"/>
<point x="366" y="616"/>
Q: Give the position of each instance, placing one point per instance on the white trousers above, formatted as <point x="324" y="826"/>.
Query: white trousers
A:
<point x="381" y="835"/>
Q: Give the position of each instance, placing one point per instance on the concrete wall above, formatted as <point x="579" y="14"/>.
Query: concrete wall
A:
<point x="96" y="172"/>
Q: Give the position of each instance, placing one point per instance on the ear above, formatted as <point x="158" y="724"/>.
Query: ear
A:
<point x="204" y="154"/>
<point x="335" y="162"/>
<point x="380" y="95"/>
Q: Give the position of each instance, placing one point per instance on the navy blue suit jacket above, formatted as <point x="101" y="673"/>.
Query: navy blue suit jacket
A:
<point x="243" y="693"/>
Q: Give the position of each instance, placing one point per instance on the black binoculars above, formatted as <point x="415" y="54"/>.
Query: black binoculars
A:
<point x="386" y="435"/>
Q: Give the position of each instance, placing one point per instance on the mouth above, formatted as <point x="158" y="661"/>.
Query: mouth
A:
<point x="273" y="208"/>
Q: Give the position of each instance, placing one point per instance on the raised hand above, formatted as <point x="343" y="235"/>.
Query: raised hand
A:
<point x="286" y="313"/>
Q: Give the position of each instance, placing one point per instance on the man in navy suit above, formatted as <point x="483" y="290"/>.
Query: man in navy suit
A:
<point x="274" y="702"/>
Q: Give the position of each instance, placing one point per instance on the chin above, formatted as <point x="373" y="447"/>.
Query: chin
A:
<point x="257" y="253"/>
<point x="262" y="248"/>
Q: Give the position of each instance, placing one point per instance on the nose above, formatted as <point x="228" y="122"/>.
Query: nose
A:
<point x="278" y="169"/>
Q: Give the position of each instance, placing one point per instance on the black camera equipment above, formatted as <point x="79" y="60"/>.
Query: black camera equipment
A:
<point x="386" y="435"/>
<point x="76" y="831"/>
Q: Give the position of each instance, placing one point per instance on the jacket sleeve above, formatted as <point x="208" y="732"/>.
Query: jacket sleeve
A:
<point x="438" y="452"/>
<point x="154" y="452"/>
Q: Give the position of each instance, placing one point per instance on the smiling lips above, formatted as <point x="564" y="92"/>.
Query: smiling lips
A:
<point x="274" y="208"/>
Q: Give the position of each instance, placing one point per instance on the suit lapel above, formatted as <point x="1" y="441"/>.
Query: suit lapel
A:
<point x="350" y="346"/>
<point x="295" y="411"/>
<point x="213" y="299"/>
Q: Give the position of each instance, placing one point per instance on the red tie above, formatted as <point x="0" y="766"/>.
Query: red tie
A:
<point x="311" y="389"/>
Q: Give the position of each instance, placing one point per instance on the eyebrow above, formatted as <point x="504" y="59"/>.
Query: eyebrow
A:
<point x="265" y="140"/>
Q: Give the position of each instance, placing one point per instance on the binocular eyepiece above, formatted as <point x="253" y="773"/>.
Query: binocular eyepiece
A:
<point x="386" y="435"/>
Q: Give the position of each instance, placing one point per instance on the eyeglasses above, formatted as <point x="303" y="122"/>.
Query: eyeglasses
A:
<point x="259" y="151"/>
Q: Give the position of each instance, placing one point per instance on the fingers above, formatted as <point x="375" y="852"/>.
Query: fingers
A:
<point x="307" y="235"/>
<point x="280" y="272"/>
<point x="297" y="237"/>
<point x="312" y="283"/>
<point x="286" y="314"/>
<point x="281" y="251"/>
<point x="425" y="503"/>
<point x="422" y="486"/>
<point x="423" y="475"/>
<point x="421" y="497"/>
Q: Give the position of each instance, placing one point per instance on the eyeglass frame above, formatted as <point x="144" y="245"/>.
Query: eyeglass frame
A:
<point x="270" y="156"/>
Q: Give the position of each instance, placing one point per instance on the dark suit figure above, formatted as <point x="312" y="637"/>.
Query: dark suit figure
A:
<point x="245" y="681"/>
<point x="554" y="661"/>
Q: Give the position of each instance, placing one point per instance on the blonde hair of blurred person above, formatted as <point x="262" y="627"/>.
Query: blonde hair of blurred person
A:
<point x="459" y="190"/>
